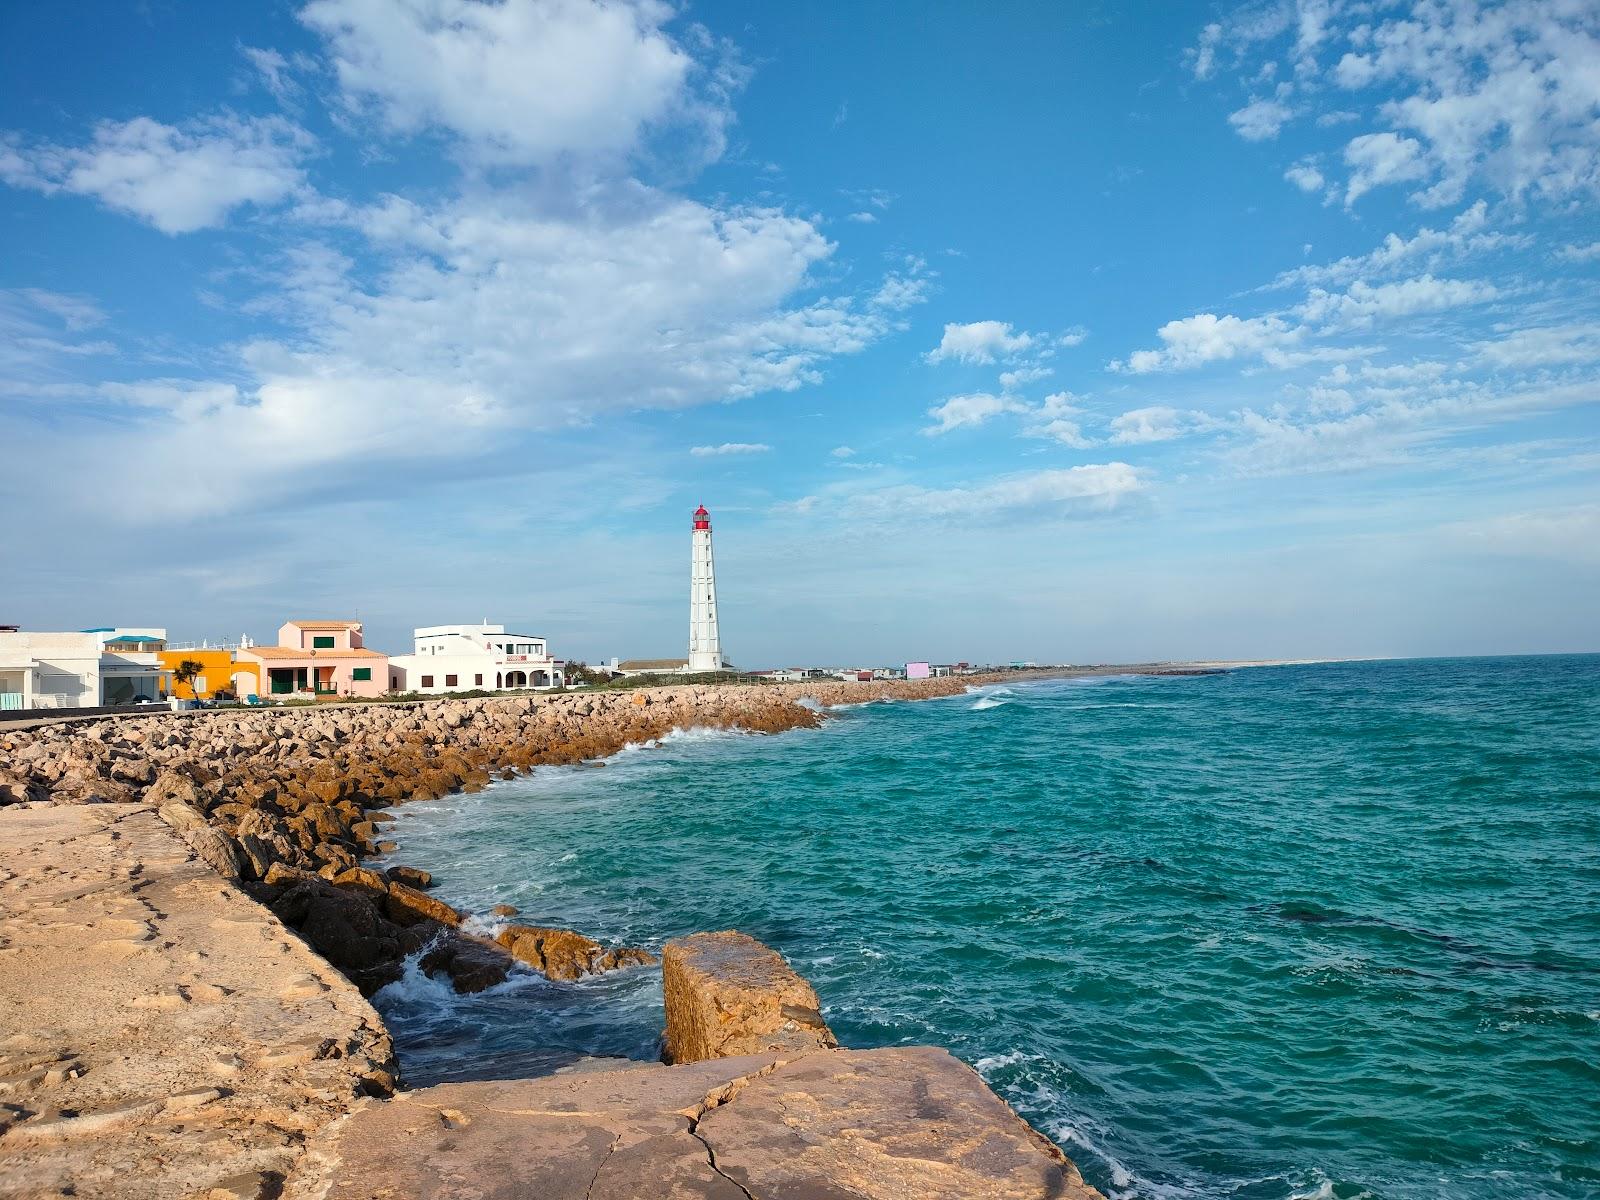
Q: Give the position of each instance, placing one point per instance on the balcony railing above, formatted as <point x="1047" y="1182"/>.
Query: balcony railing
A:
<point x="10" y="700"/>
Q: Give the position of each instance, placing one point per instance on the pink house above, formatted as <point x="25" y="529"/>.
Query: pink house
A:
<point x="319" y="658"/>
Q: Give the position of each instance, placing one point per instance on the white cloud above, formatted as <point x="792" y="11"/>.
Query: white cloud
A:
<point x="1096" y="490"/>
<point x="1056" y="420"/>
<point x="1466" y="235"/>
<point x="1261" y="119"/>
<point x="1543" y="346"/>
<point x="178" y="178"/>
<point x="523" y="82"/>
<point x="727" y="448"/>
<point x="959" y="412"/>
<point x="842" y="452"/>
<point x="1455" y="95"/>
<point x="862" y="218"/>
<point x="1579" y="254"/>
<point x="1364" y="302"/>
<point x="980" y="342"/>
<point x="1206" y="337"/>
<point x="1376" y="159"/>
<point x="1022" y="376"/>
<point x="1203" y="58"/>
<point x="1075" y="336"/>
<point x="1305" y="176"/>
<point x="1158" y="423"/>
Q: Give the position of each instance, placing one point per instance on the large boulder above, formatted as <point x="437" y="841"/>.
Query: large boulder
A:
<point x="407" y="906"/>
<point x="346" y="928"/>
<point x="472" y="963"/>
<point x="566" y="955"/>
<point x="210" y="846"/>
<point x="727" y="994"/>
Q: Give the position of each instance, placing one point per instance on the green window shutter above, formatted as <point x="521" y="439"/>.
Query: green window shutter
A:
<point x="322" y="643"/>
<point x="361" y="673"/>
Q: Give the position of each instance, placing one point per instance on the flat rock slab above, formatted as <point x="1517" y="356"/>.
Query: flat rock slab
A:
<point x="830" y="1125"/>
<point x="162" y="1035"/>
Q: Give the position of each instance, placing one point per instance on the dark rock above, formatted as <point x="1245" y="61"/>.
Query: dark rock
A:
<point x="406" y="906"/>
<point x="473" y="964"/>
<point x="414" y="877"/>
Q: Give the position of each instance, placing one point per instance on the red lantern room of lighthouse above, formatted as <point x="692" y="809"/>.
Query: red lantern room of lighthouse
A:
<point x="702" y="519"/>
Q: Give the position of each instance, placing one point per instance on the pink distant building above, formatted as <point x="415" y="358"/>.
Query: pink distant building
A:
<point x="319" y="658"/>
<point x="918" y="670"/>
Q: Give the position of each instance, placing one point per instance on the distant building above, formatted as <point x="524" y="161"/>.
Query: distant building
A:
<point x="917" y="670"/>
<point x="319" y="658"/>
<point x="650" y="666"/>
<point x="459" y="658"/>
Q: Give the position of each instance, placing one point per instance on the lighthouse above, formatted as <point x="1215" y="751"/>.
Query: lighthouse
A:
<point x="705" y="644"/>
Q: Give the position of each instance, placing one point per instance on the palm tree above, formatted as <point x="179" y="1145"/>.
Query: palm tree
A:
<point x="188" y="671"/>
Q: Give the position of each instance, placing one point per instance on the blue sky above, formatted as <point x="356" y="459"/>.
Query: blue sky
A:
<point x="1085" y="333"/>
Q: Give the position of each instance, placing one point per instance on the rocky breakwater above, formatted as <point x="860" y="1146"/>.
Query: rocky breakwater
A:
<point x="290" y="801"/>
<point x="759" y="1106"/>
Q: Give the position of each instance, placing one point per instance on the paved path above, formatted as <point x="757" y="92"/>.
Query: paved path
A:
<point x="163" y="1035"/>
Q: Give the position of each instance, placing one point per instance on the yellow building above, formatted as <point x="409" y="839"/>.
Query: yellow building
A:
<point x="221" y="673"/>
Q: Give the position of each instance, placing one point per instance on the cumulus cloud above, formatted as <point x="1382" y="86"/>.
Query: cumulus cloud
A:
<point x="1499" y="96"/>
<point x="1022" y="376"/>
<point x="177" y="178"/>
<point x="1056" y="419"/>
<point x="1305" y="176"/>
<point x="1364" y="302"/>
<point x="727" y="448"/>
<point x="1262" y="118"/>
<point x="980" y="342"/>
<point x="1375" y="159"/>
<point x="1157" y="423"/>
<point x="960" y="412"/>
<point x="521" y="82"/>
<point x="1206" y="337"/>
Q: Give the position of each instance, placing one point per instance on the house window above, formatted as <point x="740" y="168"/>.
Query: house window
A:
<point x="322" y="643"/>
<point x="394" y="683"/>
<point x="477" y="680"/>
<point x="361" y="673"/>
<point x="427" y="681"/>
<point x="449" y="681"/>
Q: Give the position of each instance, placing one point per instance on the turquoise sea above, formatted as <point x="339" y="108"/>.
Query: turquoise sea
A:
<point x="1308" y="931"/>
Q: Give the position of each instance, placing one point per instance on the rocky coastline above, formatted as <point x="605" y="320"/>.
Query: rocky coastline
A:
<point x="289" y="803"/>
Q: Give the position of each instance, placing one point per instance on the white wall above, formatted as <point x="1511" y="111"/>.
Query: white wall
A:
<point x="68" y="671"/>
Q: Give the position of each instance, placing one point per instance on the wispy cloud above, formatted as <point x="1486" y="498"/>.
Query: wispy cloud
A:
<point x="727" y="448"/>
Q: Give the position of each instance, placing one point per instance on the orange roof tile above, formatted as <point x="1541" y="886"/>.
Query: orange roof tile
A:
<point x="265" y="652"/>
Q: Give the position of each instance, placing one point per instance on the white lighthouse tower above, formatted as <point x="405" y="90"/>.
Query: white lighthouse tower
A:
<point x="705" y="644"/>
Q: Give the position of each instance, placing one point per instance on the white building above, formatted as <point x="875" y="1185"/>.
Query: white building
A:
<point x="461" y="658"/>
<point x="130" y="665"/>
<point x="94" y="668"/>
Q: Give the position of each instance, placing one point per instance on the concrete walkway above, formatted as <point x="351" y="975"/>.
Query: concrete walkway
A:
<point x="163" y="1034"/>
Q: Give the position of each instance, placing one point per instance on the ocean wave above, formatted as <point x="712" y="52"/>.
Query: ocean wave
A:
<point x="992" y="698"/>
